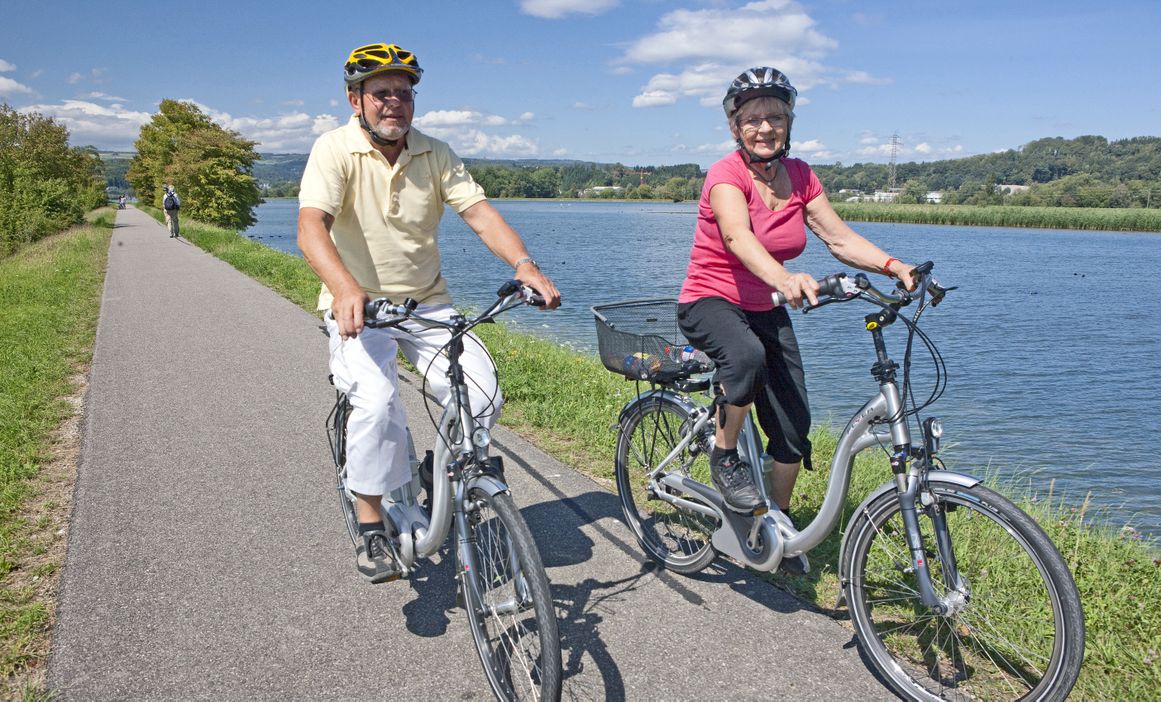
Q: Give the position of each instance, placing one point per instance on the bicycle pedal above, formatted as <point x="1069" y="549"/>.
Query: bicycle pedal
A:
<point x="759" y="511"/>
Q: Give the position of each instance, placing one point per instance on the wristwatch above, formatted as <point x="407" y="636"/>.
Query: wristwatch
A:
<point x="526" y="259"/>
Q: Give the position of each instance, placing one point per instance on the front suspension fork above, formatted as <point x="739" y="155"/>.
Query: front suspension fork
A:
<point x="909" y="495"/>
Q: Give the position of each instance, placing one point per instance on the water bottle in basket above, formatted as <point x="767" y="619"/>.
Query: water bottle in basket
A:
<point x="641" y="365"/>
<point x="694" y="361"/>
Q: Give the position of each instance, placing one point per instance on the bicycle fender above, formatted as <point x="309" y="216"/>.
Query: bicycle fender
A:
<point x="940" y="476"/>
<point x="488" y="483"/>
<point x="659" y="397"/>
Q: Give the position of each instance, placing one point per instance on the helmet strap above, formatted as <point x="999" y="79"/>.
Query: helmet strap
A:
<point x="367" y="127"/>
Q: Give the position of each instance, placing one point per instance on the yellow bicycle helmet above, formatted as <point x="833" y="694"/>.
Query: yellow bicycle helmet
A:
<point x="373" y="59"/>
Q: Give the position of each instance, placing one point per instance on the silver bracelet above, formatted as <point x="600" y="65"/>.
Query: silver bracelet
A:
<point x="526" y="259"/>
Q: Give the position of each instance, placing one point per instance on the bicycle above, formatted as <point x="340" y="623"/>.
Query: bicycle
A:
<point x="954" y="592"/>
<point x="501" y="580"/>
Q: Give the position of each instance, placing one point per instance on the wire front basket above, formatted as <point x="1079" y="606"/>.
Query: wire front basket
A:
<point x="640" y="340"/>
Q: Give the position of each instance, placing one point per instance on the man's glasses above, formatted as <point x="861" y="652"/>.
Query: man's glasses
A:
<point x="405" y="96"/>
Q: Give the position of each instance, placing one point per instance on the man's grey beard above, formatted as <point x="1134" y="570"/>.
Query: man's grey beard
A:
<point x="389" y="133"/>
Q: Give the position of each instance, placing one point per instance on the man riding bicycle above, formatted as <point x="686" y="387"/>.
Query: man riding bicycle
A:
<point x="370" y="203"/>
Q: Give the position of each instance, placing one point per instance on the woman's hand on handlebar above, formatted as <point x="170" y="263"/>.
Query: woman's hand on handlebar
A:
<point x="905" y="272"/>
<point x="796" y="286"/>
<point x="347" y="309"/>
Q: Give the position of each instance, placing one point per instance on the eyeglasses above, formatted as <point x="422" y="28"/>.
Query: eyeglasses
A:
<point x="405" y="96"/>
<point x="753" y="124"/>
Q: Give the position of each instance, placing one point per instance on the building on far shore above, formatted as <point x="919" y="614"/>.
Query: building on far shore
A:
<point x="1011" y="189"/>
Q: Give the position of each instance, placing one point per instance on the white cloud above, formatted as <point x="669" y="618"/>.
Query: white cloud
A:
<point x="714" y="44"/>
<point x="874" y="147"/>
<point x="5" y="66"/>
<point x="466" y="131"/>
<point x="11" y="87"/>
<point x="74" y="78"/>
<point x="719" y="149"/>
<point x="103" y="96"/>
<point x="813" y="149"/>
<point x="323" y="124"/>
<point x="555" y="9"/>
<point x="654" y="98"/>
<point x="90" y="123"/>
<point x="290" y="132"/>
<point x="454" y="118"/>
<point x="474" y="142"/>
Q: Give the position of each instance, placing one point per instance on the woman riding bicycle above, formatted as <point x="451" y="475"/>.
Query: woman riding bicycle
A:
<point x="752" y="215"/>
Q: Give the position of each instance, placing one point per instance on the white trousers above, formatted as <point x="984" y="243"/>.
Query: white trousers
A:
<point x="365" y="369"/>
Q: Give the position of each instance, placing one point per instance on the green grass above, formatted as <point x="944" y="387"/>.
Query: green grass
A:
<point x="566" y="403"/>
<point x="1101" y="219"/>
<point x="51" y="292"/>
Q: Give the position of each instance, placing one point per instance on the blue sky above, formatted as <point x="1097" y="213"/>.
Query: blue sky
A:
<point x="634" y="81"/>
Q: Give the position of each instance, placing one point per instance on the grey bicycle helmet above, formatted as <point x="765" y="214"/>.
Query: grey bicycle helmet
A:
<point x="761" y="81"/>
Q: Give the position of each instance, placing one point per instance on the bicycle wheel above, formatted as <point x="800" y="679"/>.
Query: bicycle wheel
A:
<point x="509" y="605"/>
<point x="1015" y="629"/>
<point x="675" y="538"/>
<point x="337" y="431"/>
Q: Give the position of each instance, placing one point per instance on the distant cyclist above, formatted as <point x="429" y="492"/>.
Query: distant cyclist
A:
<point x="370" y="204"/>
<point x="754" y="208"/>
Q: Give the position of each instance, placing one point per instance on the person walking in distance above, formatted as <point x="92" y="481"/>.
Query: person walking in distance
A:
<point x="370" y="202"/>
<point x="171" y="203"/>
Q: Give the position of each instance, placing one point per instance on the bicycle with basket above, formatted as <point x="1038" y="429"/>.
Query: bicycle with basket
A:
<point x="954" y="592"/>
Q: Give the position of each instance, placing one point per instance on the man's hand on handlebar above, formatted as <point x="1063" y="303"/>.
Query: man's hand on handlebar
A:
<point x="534" y="278"/>
<point x="347" y="309"/>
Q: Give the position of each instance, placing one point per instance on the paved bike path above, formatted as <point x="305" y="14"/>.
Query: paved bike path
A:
<point x="208" y="560"/>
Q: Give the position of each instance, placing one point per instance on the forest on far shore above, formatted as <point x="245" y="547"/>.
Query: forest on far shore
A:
<point x="1088" y="171"/>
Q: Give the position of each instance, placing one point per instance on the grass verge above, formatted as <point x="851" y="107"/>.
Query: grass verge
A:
<point x="566" y="402"/>
<point x="51" y="292"/>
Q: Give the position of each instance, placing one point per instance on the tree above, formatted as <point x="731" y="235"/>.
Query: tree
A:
<point x="45" y="185"/>
<point x="211" y="167"/>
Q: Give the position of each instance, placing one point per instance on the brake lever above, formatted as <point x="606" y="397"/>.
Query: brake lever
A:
<point x="830" y="300"/>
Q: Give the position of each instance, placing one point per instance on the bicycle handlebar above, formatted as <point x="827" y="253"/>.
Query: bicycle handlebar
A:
<point x="381" y="312"/>
<point x="839" y="288"/>
<point x="830" y="286"/>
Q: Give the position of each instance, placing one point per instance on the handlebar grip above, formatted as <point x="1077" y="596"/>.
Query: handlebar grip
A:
<point x="830" y="285"/>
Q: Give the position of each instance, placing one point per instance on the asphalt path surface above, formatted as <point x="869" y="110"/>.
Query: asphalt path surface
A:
<point x="208" y="559"/>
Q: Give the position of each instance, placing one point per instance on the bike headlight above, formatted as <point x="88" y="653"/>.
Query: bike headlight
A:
<point x="935" y="427"/>
<point x="932" y="430"/>
<point x="481" y="438"/>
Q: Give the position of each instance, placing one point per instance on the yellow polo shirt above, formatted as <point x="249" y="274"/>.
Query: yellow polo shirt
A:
<point x="387" y="217"/>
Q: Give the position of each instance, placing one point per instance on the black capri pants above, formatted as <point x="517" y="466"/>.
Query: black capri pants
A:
<point x="758" y="361"/>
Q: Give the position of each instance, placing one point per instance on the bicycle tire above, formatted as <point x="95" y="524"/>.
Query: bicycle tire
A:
<point x="1019" y="633"/>
<point x="338" y="431"/>
<point x="518" y="647"/>
<point x="673" y="537"/>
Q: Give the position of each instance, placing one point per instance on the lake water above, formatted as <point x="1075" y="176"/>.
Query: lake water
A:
<point x="1052" y="342"/>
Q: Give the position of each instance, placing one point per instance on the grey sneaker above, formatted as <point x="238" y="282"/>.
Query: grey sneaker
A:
<point x="375" y="558"/>
<point x="731" y="476"/>
<point x="794" y="565"/>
